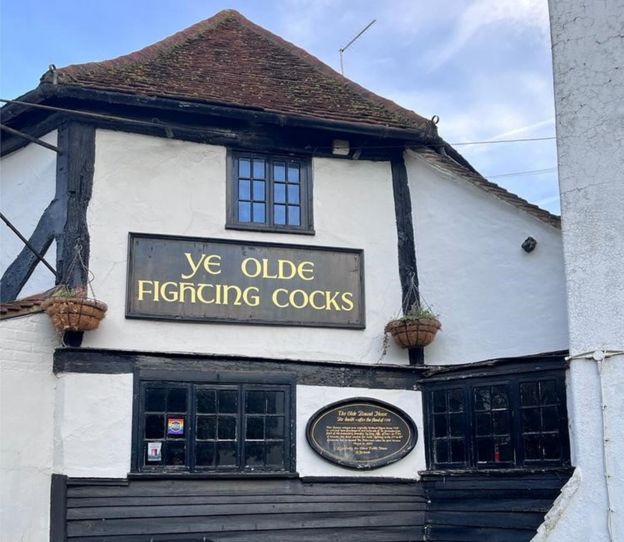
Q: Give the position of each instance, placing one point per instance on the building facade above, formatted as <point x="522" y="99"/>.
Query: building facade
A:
<point x="587" y="59"/>
<point x="253" y="220"/>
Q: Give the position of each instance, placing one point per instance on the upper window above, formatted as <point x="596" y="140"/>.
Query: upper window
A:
<point x="214" y="428"/>
<point x="269" y="193"/>
<point x="516" y="421"/>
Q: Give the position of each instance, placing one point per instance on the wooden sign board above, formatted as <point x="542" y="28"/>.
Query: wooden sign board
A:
<point x="361" y="433"/>
<point x="195" y="279"/>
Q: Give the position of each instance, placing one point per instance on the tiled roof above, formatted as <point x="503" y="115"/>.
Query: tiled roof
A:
<point x="449" y="164"/>
<point x="21" y="307"/>
<point x="229" y="60"/>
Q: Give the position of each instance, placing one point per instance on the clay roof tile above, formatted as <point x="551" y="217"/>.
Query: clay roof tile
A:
<point x="229" y="60"/>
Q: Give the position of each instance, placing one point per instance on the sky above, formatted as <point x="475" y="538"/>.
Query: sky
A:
<point x="483" y="66"/>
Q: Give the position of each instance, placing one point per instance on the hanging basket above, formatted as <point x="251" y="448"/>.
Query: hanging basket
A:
<point x="74" y="313"/>
<point x="413" y="333"/>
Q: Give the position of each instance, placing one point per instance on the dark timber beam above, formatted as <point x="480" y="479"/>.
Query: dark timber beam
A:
<point x="36" y="124"/>
<point x="46" y="91"/>
<point x="74" y="177"/>
<point x="17" y="274"/>
<point x="408" y="271"/>
<point x="58" y="508"/>
<point x="206" y="366"/>
<point x="64" y="220"/>
<point x="29" y="138"/>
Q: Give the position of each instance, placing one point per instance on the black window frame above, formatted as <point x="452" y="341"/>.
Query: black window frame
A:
<point x="141" y="467"/>
<point x="513" y="382"/>
<point x="306" y="226"/>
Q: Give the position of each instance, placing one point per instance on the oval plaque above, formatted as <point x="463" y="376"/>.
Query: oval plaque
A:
<point x="361" y="433"/>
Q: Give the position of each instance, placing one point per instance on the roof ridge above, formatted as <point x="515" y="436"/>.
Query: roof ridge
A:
<point x="324" y="68"/>
<point x="98" y="74"/>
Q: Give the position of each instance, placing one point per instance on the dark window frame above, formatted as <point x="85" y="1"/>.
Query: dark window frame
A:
<point x="192" y="383"/>
<point x="468" y="385"/>
<point x="306" y="226"/>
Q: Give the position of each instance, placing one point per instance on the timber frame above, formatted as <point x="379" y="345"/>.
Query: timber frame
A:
<point x="78" y="112"/>
<point x="199" y="366"/>
<point x="64" y="220"/>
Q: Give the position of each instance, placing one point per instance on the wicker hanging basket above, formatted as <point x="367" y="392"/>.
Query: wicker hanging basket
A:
<point x="413" y="333"/>
<point x="74" y="313"/>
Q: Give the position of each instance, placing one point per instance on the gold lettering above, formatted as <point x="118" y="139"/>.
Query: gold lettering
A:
<point x="226" y="294"/>
<point x="306" y="267"/>
<point x="168" y="295"/>
<point x="156" y="290"/>
<point x="254" y="300"/>
<point x="265" y="270"/>
<point x="312" y="296"/>
<point x="208" y="263"/>
<point x="246" y="271"/>
<point x="330" y="301"/>
<point x="200" y="294"/>
<point x="142" y="292"/>
<point x="194" y="268"/>
<point x="184" y="287"/>
<point x="274" y="298"/>
<point x="281" y="271"/>
<point x="347" y="301"/>
<point x="291" y="298"/>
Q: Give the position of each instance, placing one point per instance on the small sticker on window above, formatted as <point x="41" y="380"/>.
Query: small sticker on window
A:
<point x="175" y="426"/>
<point x="154" y="451"/>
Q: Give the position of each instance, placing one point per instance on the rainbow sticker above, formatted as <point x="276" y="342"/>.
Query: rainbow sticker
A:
<point x="175" y="426"/>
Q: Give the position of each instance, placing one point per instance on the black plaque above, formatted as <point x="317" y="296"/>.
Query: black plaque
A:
<point x="189" y="278"/>
<point x="361" y="433"/>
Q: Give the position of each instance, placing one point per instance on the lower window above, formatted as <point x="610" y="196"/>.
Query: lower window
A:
<point x="200" y="427"/>
<point x="515" y="421"/>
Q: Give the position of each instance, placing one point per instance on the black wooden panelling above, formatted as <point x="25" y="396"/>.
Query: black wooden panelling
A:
<point x="244" y="510"/>
<point x="497" y="507"/>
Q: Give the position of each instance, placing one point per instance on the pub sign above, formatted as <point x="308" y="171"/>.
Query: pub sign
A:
<point x="224" y="280"/>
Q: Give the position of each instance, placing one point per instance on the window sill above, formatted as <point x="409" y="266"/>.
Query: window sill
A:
<point x="210" y="475"/>
<point x="494" y="472"/>
<point x="268" y="229"/>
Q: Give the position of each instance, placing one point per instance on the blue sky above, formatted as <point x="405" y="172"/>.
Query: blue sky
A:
<point x="483" y="66"/>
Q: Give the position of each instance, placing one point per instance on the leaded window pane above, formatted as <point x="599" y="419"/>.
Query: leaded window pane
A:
<point x="233" y="428"/>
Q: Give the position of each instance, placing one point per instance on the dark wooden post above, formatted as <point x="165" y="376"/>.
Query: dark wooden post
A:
<point x="408" y="271"/>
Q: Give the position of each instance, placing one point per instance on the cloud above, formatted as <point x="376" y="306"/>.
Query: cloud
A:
<point x="514" y="15"/>
<point x="526" y="130"/>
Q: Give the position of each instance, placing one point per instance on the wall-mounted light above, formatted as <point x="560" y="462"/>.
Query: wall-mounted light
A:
<point x="340" y="147"/>
<point x="529" y="244"/>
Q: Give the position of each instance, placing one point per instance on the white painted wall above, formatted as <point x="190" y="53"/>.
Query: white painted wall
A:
<point x="93" y="432"/>
<point x="494" y="299"/>
<point x="27" y="186"/>
<point x="310" y="399"/>
<point x="93" y="424"/>
<point x="27" y="387"/>
<point x="588" y="53"/>
<point x="155" y="185"/>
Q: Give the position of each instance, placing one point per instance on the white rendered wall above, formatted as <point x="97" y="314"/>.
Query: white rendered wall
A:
<point x="93" y="434"/>
<point x="27" y="387"/>
<point x="310" y="399"/>
<point x="494" y="299"/>
<point x="156" y="185"/>
<point x="94" y="421"/>
<point x="588" y="60"/>
<point x="27" y="186"/>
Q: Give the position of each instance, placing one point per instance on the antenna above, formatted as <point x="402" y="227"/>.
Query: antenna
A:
<point x="341" y="51"/>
